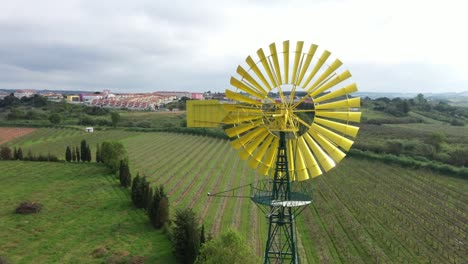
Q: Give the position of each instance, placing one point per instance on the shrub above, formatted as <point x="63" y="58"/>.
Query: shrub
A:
<point x="112" y="152"/>
<point x="457" y="122"/>
<point x="5" y="153"/>
<point x="28" y="208"/>
<point x="228" y="248"/>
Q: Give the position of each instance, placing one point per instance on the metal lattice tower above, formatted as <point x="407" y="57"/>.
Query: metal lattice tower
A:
<point x="281" y="241"/>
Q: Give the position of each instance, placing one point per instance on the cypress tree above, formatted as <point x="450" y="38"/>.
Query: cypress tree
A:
<point x="124" y="174"/>
<point x="163" y="211"/>
<point x="78" y="156"/>
<point x="20" y="153"/>
<point x="153" y="209"/>
<point x="83" y="151"/>
<point x="144" y="190"/>
<point x="73" y="154"/>
<point x="68" y="155"/>
<point x="128" y="177"/>
<point x="202" y="235"/>
<point x="135" y="189"/>
<point x="15" y="154"/>
<point x="88" y="153"/>
<point x="186" y="235"/>
<point x="149" y="197"/>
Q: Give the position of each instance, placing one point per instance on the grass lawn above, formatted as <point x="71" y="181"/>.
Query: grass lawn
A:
<point x="84" y="211"/>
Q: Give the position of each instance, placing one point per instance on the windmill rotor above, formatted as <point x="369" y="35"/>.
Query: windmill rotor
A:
<point x="308" y="101"/>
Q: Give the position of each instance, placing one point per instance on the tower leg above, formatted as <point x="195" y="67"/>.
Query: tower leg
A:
<point x="281" y="241"/>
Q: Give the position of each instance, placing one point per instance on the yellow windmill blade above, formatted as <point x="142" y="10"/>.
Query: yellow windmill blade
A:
<point x="342" y="104"/>
<point x="323" y="58"/>
<point x="240" y="85"/>
<point x="274" y="56"/>
<point x="260" y="153"/>
<point x="297" y="58"/>
<point x="314" y="90"/>
<point x="245" y="75"/>
<point x="286" y="60"/>
<point x="269" y="158"/>
<point x="257" y="71"/>
<point x="347" y="116"/>
<point x="264" y="61"/>
<point x="308" y="60"/>
<point x="244" y="139"/>
<point x="249" y="148"/>
<point x="348" y="130"/>
<point x="343" y="91"/>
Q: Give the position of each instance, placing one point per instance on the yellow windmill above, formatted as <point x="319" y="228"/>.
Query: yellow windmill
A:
<point x="291" y="116"/>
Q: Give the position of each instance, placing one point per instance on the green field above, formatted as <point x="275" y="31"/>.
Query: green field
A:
<point x="84" y="210"/>
<point x="363" y="211"/>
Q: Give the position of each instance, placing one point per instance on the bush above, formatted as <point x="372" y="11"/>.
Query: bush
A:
<point x="5" y="153"/>
<point x="28" y="208"/>
<point x="112" y="152"/>
<point x="228" y="248"/>
<point x="457" y="122"/>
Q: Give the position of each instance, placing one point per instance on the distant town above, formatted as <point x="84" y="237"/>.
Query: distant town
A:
<point x="132" y="101"/>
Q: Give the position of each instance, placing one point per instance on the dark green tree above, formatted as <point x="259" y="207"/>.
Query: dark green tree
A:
<point x="136" y="191"/>
<point x="186" y="236"/>
<point x="5" y="153"/>
<point x="15" y="154"/>
<point x="153" y="209"/>
<point x="55" y="118"/>
<point x="78" y="155"/>
<point x="145" y="189"/>
<point x="149" y="197"/>
<point x="124" y="174"/>
<point x="83" y="151"/>
<point x="88" y="153"/>
<point x="68" y="155"/>
<point x="73" y="153"/>
<point x="163" y="211"/>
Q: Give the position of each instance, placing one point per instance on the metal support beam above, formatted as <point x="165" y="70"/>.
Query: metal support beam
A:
<point x="281" y="241"/>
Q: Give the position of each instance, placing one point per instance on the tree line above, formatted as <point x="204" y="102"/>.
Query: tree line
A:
<point x="17" y="154"/>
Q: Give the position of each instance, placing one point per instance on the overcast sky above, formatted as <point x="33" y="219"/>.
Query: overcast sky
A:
<point x="139" y="45"/>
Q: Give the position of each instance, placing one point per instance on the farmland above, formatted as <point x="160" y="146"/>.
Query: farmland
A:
<point x="363" y="211"/>
<point x="10" y="133"/>
<point x="84" y="212"/>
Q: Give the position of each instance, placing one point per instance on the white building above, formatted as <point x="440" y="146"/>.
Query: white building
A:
<point x="22" y="93"/>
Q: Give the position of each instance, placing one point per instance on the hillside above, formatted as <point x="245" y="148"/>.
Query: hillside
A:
<point x="86" y="217"/>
